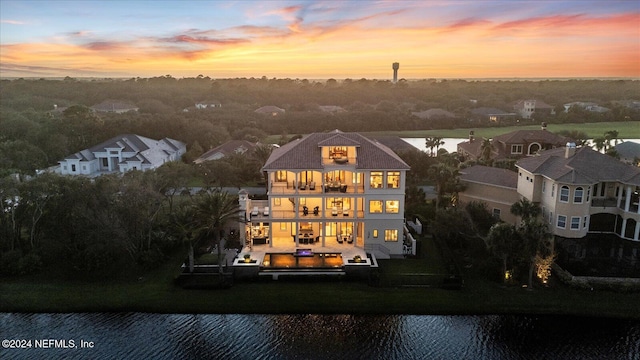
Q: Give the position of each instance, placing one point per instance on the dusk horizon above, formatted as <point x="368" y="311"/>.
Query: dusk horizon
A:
<point x="321" y="40"/>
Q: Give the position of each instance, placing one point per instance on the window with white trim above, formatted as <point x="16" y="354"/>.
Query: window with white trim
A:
<point x="516" y="149"/>
<point x="575" y="223"/>
<point x="564" y="193"/>
<point x="391" y="235"/>
<point x="577" y="195"/>
<point x="562" y="222"/>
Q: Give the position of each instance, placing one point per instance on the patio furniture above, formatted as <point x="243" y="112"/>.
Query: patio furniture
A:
<point x="305" y="210"/>
<point x="254" y="212"/>
<point x="339" y="239"/>
<point x="334" y="211"/>
<point x="350" y="239"/>
<point x="266" y="211"/>
<point x="312" y="185"/>
<point x="316" y="210"/>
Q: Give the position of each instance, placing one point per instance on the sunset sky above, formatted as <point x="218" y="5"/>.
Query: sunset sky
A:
<point x="320" y="39"/>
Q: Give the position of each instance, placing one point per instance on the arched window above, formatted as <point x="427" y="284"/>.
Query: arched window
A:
<point x="577" y="195"/>
<point x="534" y="148"/>
<point x="564" y="193"/>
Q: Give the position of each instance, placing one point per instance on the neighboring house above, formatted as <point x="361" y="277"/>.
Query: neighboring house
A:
<point x="114" y="106"/>
<point x="579" y="190"/>
<point x="395" y="143"/>
<point x="513" y="145"/>
<point x="329" y="192"/>
<point x="527" y="108"/>
<point x="331" y="108"/>
<point x="433" y="114"/>
<point x="121" y="154"/>
<point x="230" y="147"/>
<point x="628" y="151"/>
<point x="495" y="187"/>
<point x="588" y="106"/>
<point x="270" y="110"/>
<point x="492" y="114"/>
<point x="208" y="104"/>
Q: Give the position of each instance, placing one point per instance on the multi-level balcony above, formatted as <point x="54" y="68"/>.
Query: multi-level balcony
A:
<point x="313" y="208"/>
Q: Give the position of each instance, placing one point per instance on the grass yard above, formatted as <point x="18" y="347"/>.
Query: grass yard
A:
<point x="155" y="291"/>
<point x="626" y="129"/>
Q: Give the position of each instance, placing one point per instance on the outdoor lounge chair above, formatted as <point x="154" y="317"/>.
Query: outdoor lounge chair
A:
<point x="305" y="211"/>
<point x="312" y="185"/>
<point x="334" y="211"/>
<point x="254" y="212"/>
<point x="266" y="211"/>
<point x="316" y="210"/>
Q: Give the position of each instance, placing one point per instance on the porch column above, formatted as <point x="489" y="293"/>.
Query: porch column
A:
<point x="627" y="200"/>
<point x="619" y="196"/>
<point x="636" y="235"/>
<point x="624" y="226"/>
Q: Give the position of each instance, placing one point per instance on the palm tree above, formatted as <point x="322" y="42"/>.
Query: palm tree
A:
<point x="430" y="143"/>
<point x="600" y="143"/>
<point x="526" y="210"/>
<point x="501" y="242"/>
<point x="182" y="225"/>
<point x="438" y="142"/>
<point x="486" y="150"/>
<point x="213" y="210"/>
<point x="534" y="234"/>
<point x="443" y="175"/>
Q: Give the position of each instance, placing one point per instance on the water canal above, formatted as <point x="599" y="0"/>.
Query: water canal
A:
<point x="160" y="336"/>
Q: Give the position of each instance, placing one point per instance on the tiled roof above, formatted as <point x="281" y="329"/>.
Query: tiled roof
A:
<point x="586" y="166"/>
<point x="225" y="149"/>
<point x="529" y="136"/>
<point x="628" y="149"/>
<point x="490" y="175"/>
<point x="306" y="153"/>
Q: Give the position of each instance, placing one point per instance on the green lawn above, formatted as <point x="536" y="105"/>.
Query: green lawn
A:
<point x="626" y="129"/>
<point x="156" y="292"/>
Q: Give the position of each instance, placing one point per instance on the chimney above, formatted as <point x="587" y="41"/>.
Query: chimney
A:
<point x="395" y="67"/>
<point x="471" y="137"/>
<point x="570" y="150"/>
<point x="544" y="125"/>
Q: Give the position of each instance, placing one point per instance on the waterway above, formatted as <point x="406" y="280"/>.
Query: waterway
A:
<point x="188" y="336"/>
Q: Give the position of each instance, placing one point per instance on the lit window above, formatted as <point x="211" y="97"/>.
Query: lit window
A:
<point x="393" y="179"/>
<point x="575" y="223"/>
<point x="562" y="221"/>
<point x="391" y="235"/>
<point x="516" y="149"/>
<point x="281" y="176"/>
<point x="392" y="206"/>
<point x="577" y="195"/>
<point x="564" y="193"/>
<point x="375" y="233"/>
<point x="376" y="179"/>
<point x="375" y="206"/>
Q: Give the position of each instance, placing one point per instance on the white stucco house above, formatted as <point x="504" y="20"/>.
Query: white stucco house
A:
<point x="121" y="154"/>
<point x="333" y="191"/>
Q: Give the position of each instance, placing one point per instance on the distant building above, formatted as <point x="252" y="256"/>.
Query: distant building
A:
<point x="492" y="114"/>
<point x="230" y="147"/>
<point x="433" y="114"/>
<point x="587" y="106"/>
<point x="270" y="110"/>
<point x="121" y="154"/>
<point x="331" y="108"/>
<point x="514" y="145"/>
<point x="527" y="108"/>
<point x="114" y="106"/>
<point x="208" y="104"/>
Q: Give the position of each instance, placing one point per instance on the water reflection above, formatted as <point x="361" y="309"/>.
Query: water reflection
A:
<point x="158" y="336"/>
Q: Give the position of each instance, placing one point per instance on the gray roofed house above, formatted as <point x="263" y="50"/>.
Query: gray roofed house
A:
<point x="270" y="110"/>
<point x="122" y="153"/>
<point x="433" y="114"/>
<point x="628" y="151"/>
<point x="230" y="147"/>
<point x="492" y="114"/>
<point x="114" y="106"/>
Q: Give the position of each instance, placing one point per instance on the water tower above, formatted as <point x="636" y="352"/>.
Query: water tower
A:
<point x="395" y="67"/>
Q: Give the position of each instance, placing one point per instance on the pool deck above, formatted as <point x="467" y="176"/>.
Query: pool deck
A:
<point x="348" y="252"/>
